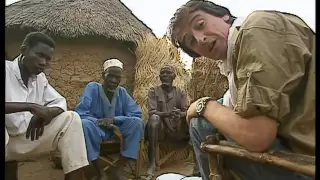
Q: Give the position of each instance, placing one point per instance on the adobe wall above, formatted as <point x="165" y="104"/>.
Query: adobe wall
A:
<point x="78" y="62"/>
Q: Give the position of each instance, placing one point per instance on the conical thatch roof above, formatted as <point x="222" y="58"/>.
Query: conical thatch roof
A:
<point x="74" y="18"/>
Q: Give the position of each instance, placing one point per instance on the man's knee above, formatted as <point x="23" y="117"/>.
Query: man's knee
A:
<point x="138" y="122"/>
<point x="70" y="116"/>
<point x="154" y="121"/>
<point x="86" y="123"/>
<point x="201" y="127"/>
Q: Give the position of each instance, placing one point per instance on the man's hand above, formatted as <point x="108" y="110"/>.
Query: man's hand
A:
<point x="118" y="134"/>
<point x="192" y="113"/>
<point x="40" y="111"/>
<point x="176" y="113"/>
<point x="35" y="128"/>
<point x="105" y="122"/>
<point x="166" y="114"/>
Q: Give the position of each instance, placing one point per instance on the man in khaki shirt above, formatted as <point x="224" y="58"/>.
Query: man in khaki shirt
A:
<point x="269" y="59"/>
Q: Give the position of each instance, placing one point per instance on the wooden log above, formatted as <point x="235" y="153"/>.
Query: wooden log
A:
<point x="213" y="161"/>
<point x="295" y="162"/>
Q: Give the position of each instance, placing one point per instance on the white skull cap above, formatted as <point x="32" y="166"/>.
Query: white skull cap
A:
<point x="112" y="63"/>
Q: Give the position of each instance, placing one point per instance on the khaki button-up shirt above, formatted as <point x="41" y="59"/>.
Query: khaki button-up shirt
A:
<point x="274" y="65"/>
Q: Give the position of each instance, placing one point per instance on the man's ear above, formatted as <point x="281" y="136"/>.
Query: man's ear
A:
<point x="226" y="18"/>
<point x="23" y="49"/>
<point x="174" y="76"/>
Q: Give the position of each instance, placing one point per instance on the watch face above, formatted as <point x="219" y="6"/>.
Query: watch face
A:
<point x="199" y="106"/>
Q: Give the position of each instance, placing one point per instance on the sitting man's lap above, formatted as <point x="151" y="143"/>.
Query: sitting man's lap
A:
<point x="131" y="129"/>
<point x="63" y="133"/>
<point x="245" y="169"/>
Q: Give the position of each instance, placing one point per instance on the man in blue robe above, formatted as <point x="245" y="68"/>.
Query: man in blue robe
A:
<point x="111" y="105"/>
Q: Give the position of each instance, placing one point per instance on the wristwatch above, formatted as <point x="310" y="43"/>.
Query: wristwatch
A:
<point x="201" y="105"/>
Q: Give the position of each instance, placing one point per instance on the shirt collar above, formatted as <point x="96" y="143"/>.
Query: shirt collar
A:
<point x="16" y="69"/>
<point x="225" y="65"/>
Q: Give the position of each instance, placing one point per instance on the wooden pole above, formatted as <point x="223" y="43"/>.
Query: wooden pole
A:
<point x="213" y="160"/>
<point x="298" y="163"/>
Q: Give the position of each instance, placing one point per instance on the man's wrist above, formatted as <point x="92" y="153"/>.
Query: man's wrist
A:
<point x="54" y="111"/>
<point x="211" y="106"/>
<point x="28" y="106"/>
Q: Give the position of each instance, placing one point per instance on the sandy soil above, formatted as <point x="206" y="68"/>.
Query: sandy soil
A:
<point x="43" y="169"/>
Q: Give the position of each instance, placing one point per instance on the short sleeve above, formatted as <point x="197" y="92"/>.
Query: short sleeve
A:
<point x="269" y="66"/>
<point x="53" y="99"/>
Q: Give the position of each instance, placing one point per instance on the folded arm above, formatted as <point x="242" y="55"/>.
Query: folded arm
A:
<point x="55" y="103"/>
<point x="14" y="107"/>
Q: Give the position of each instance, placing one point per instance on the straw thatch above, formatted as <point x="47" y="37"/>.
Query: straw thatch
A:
<point x="206" y="79"/>
<point x="75" y="18"/>
<point x="152" y="54"/>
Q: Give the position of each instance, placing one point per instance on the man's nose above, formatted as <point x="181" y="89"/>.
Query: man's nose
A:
<point x="201" y="38"/>
<point x="113" y="80"/>
<point x="42" y="62"/>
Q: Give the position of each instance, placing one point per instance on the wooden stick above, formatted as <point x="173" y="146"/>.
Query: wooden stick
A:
<point x="213" y="161"/>
<point x="304" y="168"/>
<point x="139" y="160"/>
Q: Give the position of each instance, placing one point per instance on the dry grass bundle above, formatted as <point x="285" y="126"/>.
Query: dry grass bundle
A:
<point x="152" y="54"/>
<point x="76" y="18"/>
<point x="206" y="80"/>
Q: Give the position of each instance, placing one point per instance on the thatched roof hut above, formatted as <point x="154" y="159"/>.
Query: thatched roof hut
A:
<point x="76" y="18"/>
<point x="86" y="32"/>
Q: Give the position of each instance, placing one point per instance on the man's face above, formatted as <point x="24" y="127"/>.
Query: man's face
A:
<point x="205" y="34"/>
<point x="166" y="76"/>
<point x="112" y="78"/>
<point x="37" y="58"/>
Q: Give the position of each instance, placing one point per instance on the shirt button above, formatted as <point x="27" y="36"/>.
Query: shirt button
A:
<point x="248" y="74"/>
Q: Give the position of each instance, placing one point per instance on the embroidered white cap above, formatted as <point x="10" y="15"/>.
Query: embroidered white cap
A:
<point x="112" y="63"/>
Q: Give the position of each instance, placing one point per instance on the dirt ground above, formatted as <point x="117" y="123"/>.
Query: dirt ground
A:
<point x="42" y="169"/>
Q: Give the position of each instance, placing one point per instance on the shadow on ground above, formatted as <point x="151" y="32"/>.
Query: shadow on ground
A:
<point x="42" y="169"/>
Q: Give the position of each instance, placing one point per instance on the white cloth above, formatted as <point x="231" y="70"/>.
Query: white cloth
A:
<point x="226" y="69"/>
<point x="7" y="141"/>
<point x="112" y="63"/>
<point x="64" y="132"/>
<point x="38" y="91"/>
<point x="174" y="176"/>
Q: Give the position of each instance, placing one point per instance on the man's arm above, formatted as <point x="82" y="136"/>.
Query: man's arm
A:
<point x="14" y="107"/>
<point x="55" y="103"/>
<point x="84" y="106"/>
<point x="184" y="104"/>
<point x="269" y="67"/>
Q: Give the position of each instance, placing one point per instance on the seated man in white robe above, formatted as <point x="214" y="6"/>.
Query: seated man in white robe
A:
<point x="36" y="120"/>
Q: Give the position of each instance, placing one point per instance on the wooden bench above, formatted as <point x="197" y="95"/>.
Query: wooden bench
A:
<point x="109" y="155"/>
<point x="217" y="149"/>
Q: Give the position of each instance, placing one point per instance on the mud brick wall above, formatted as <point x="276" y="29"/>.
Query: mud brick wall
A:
<point x="77" y="62"/>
